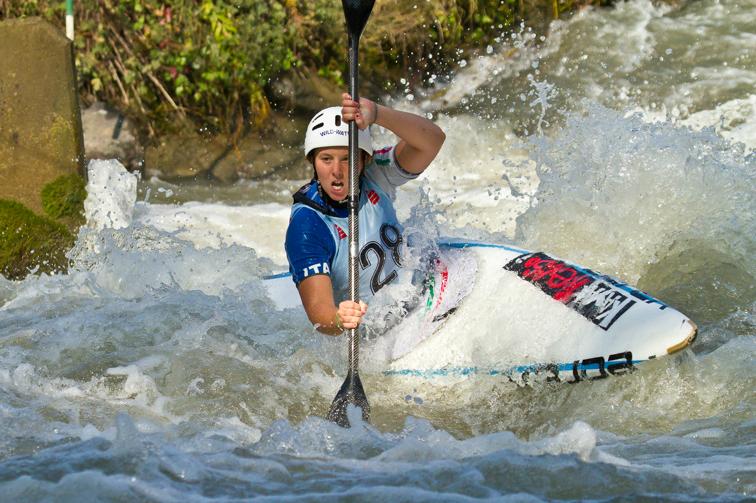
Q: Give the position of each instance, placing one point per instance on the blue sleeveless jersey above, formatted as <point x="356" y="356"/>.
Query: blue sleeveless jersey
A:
<point x="317" y="240"/>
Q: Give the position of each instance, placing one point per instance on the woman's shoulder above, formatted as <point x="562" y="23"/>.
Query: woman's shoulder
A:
<point x="306" y="227"/>
<point x="303" y="214"/>
<point x="383" y="156"/>
<point x="385" y="171"/>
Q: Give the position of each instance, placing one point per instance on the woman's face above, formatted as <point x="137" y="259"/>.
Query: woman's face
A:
<point x="332" y="168"/>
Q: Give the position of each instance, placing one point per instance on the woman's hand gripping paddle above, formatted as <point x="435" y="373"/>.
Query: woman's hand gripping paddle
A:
<point x="356" y="13"/>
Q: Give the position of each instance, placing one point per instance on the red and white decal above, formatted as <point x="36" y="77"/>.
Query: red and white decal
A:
<point x="373" y="196"/>
<point x="593" y="296"/>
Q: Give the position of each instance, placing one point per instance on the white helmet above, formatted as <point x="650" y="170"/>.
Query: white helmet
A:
<point x="327" y="129"/>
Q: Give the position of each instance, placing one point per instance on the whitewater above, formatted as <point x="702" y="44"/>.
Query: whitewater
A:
<point x="159" y="369"/>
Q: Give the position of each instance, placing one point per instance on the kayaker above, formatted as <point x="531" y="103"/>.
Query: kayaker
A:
<point x="317" y="246"/>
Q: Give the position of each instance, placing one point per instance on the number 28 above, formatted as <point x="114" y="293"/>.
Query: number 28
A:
<point x="391" y="239"/>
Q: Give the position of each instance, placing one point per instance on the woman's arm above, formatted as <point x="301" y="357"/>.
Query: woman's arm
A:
<point x="316" y="293"/>
<point x="420" y="139"/>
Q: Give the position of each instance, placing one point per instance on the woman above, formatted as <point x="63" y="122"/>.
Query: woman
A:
<point x="317" y="245"/>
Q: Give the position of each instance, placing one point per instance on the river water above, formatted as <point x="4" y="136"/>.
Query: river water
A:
<point x="159" y="370"/>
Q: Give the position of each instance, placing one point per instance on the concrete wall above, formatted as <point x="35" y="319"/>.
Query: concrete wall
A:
<point x="40" y="121"/>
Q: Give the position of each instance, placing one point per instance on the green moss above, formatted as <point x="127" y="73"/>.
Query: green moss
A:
<point x="30" y="242"/>
<point x="63" y="198"/>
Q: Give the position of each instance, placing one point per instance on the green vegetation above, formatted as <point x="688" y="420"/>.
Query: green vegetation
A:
<point x="63" y="199"/>
<point x="212" y="63"/>
<point x="29" y="242"/>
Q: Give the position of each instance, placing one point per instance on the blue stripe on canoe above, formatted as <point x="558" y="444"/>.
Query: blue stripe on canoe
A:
<point x="278" y="276"/>
<point x="475" y="244"/>
<point x="518" y="369"/>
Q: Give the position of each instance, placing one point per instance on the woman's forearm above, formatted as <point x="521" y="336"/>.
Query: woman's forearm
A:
<point x="316" y="293"/>
<point x="416" y="130"/>
<point x="325" y="319"/>
<point x="421" y="138"/>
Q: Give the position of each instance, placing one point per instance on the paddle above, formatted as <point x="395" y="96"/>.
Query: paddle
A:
<point x="356" y="13"/>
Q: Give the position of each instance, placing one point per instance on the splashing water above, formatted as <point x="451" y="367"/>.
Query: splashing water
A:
<point x="158" y="369"/>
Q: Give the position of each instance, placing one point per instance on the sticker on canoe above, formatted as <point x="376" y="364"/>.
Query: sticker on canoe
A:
<point x="598" y="298"/>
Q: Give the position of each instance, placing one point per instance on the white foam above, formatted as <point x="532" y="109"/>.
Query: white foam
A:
<point x="258" y="226"/>
<point x="734" y="120"/>
<point x="111" y="194"/>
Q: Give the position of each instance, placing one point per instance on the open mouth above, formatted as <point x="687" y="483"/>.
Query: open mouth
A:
<point x="337" y="190"/>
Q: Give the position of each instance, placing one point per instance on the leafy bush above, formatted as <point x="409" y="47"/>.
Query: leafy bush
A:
<point x="205" y="61"/>
<point x="211" y="62"/>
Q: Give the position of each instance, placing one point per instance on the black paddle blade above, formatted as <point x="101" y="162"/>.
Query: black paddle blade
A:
<point x="357" y="13"/>
<point x="351" y="392"/>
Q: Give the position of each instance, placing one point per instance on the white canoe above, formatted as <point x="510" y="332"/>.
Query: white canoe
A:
<point x="496" y="310"/>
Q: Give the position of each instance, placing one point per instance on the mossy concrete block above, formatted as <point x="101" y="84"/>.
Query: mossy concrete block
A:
<point x="29" y="242"/>
<point x="40" y="121"/>
<point x="63" y="200"/>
